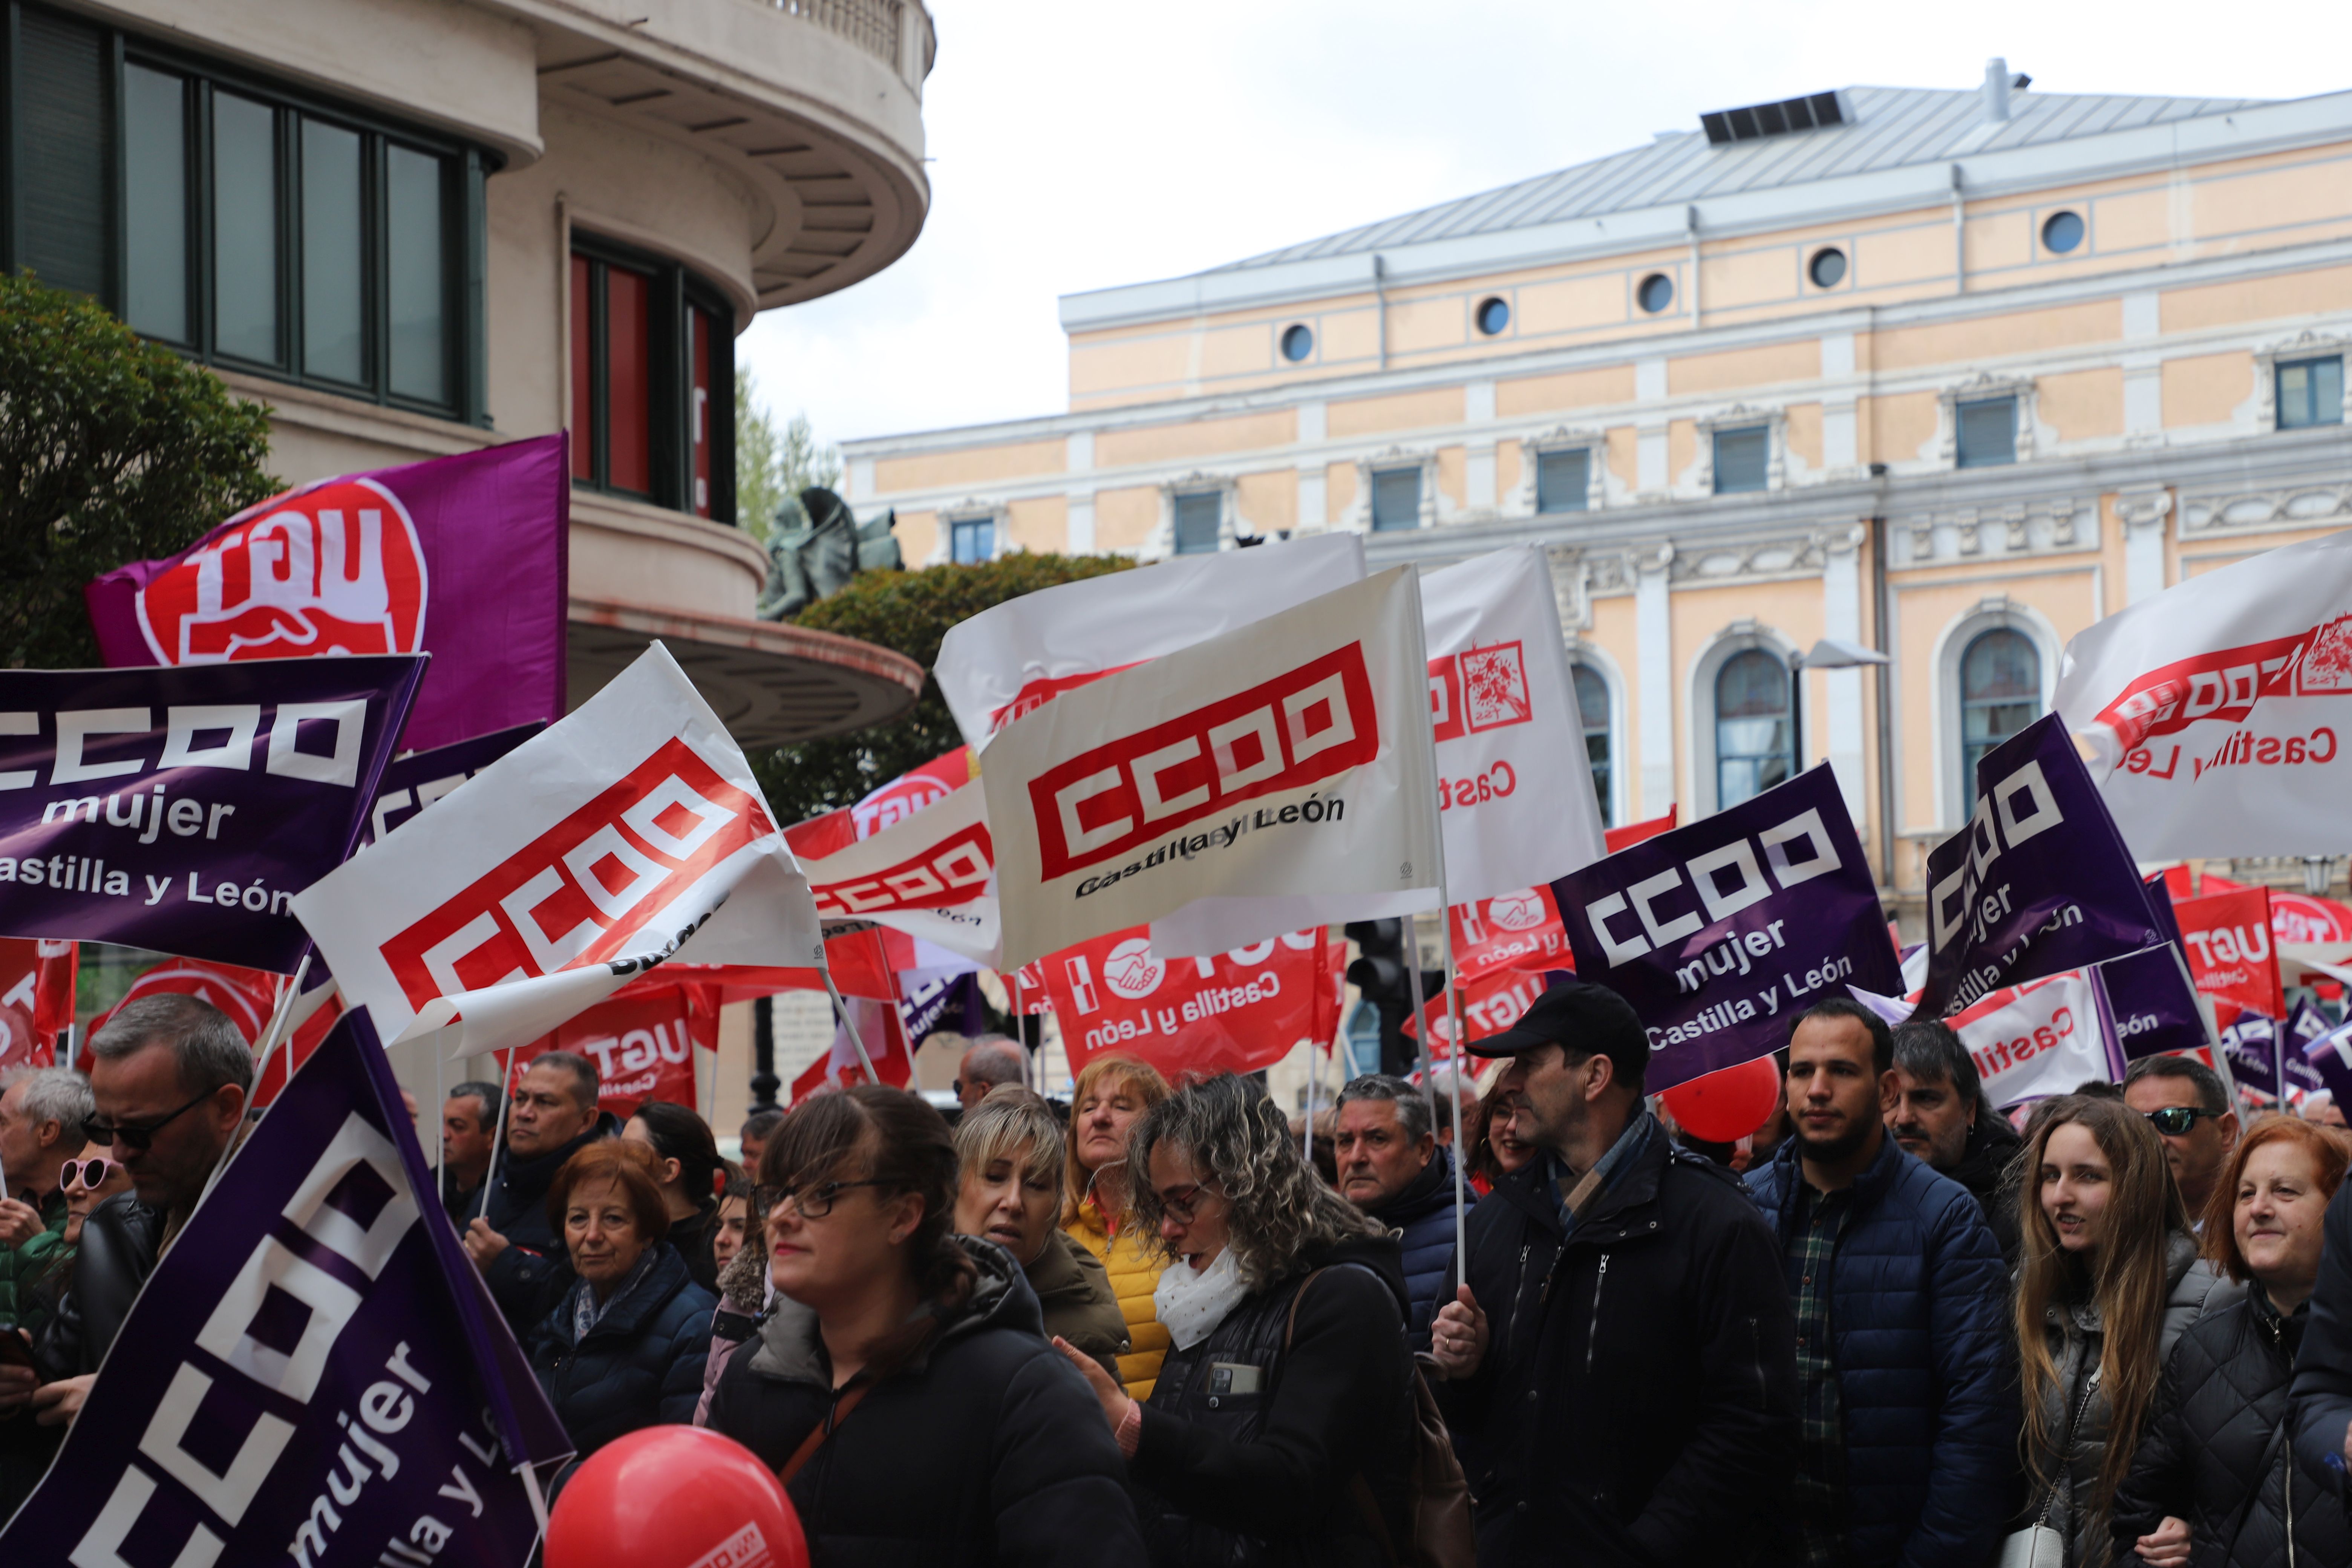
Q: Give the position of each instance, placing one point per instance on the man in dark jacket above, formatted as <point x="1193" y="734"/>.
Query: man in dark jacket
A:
<point x="1907" y="1383"/>
<point x="553" y="1116"/>
<point x="1392" y="1167"/>
<point x="469" y="1118"/>
<point x="1938" y="1114"/>
<point x="2322" y="1368"/>
<point x="1620" y="1368"/>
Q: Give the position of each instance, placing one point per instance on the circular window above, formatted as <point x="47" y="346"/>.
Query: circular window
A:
<point x="1494" y="315"/>
<point x="1657" y="292"/>
<point x="1297" y="342"/>
<point x="2061" y="231"/>
<point x="1827" y="268"/>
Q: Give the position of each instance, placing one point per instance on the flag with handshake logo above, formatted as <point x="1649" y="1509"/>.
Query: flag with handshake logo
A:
<point x="581" y="859"/>
<point x="1259" y="782"/>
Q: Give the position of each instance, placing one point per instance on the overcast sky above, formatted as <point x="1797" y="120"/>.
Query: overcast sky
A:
<point x="1080" y="145"/>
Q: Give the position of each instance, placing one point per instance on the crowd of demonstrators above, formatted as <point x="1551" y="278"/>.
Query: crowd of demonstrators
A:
<point x="2216" y="1479"/>
<point x="1937" y="1112"/>
<point x="1008" y="1150"/>
<point x="1279" y="1429"/>
<point x="551" y="1115"/>
<point x="1907" y="1414"/>
<point x="901" y="1384"/>
<point x="470" y="1120"/>
<point x="626" y="1347"/>
<point x="990" y="1062"/>
<point x="2110" y="1277"/>
<point x="2189" y="1106"/>
<point x="1392" y="1166"/>
<point x="692" y="1175"/>
<point x="1098" y="1211"/>
<point x="1620" y="1366"/>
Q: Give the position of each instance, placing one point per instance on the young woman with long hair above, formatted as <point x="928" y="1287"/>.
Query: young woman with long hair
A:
<point x="901" y="1383"/>
<point x="1287" y="1394"/>
<point x="1111" y="1091"/>
<point x="2109" y="1280"/>
<point x="2216" y="1482"/>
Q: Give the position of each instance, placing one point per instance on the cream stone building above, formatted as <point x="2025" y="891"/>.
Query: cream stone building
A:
<point x="412" y="227"/>
<point x="1948" y="375"/>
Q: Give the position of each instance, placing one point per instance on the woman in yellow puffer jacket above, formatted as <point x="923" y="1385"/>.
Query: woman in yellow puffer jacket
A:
<point x="1110" y="1094"/>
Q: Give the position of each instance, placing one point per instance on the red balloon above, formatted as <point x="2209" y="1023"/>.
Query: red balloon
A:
<point x="1725" y="1107"/>
<point x="671" y="1497"/>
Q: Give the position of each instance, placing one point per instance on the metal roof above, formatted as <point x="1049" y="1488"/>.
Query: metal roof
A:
<point x="1886" y="127"/>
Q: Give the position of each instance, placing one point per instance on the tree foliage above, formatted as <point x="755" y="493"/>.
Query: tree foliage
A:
<point x="909" y="611"/>
<point x="111" y="449"/>
<point x="773" y="461"/>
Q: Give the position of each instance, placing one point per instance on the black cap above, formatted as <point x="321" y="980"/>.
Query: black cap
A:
<point x="1590" y="1020"/>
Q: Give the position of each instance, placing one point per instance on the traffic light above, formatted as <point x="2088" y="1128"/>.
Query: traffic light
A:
<point x="1379" y="974"/>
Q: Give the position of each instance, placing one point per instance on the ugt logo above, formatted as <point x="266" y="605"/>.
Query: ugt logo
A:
<point x="333" y="569"/>
<point x="581" y="893"/>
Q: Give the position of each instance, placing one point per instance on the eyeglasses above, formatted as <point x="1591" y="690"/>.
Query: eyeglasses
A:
<point x="92" y="1172"/>
<point x="814" y="1202"/>
<point x="135" y="1135"/>
<point x="1181" y="1202"/>
<point x="2175" y="1119"/>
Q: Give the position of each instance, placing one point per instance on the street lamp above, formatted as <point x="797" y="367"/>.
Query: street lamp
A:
<point x="1838" y="653"/>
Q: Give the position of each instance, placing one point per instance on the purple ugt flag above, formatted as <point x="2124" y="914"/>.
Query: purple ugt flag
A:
<point x="313" y="1375"/>
<point x="1722" y="933"/>
<point x="464" y="558"/>
<point x="181" y="809"/>
<point x="2038" y="882"/>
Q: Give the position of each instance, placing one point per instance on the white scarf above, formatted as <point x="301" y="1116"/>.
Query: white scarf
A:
<point x="1191" y="1302"/>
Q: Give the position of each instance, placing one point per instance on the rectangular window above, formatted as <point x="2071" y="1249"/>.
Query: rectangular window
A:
<point x="2311" y="392"/>
<point x="973" y="541"/>
<point x="1563" y="480"/>
<point x="245" y="228"/>
<point x="155" y="203"/>
<point x="334" y="280"/>
<point x="417" y="270"/>
<point x="1199" y="521"/>
<point x="289" y="236"/>
<point x="1742" y="459"/>
<point x="1987" y="432"/>
<point x="1396" y="499"/>
<point x="653" y="380"/>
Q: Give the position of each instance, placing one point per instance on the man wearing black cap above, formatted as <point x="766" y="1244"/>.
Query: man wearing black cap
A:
<point x="1621" y="1368"/>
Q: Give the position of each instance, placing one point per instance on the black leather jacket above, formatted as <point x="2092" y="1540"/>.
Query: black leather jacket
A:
<point x="119" y="1243"/>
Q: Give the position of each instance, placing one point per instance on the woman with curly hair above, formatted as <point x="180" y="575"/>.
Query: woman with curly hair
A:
<point x="1280" y="1427"/>
<point x="2110" y="1280"/>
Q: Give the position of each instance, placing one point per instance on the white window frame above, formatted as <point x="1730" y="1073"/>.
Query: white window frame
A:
<point x="1980" y="388"/>
<point x="1995" y="612"/>
<point x="1360" y="513"/>
<point x="2304" y="344"/>
<point x="970" y="510"/>
<point x="1560" y="438"/>
<point x="1699" y="702"/>
<point x="1161" y="545"/>
<point x="1743" y="417"/>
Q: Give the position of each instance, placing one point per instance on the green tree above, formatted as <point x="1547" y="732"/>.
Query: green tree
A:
<point x="772" y="461"/>
<point x="111" y="449"/>
<point x="909" y="611"/>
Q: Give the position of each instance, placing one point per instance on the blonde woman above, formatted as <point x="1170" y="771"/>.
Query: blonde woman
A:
<point x="1097" y="1204"/>
<point x="2110" y="1280"/>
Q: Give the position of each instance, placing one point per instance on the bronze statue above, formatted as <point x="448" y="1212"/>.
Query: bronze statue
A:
<point x="816" y="546"/>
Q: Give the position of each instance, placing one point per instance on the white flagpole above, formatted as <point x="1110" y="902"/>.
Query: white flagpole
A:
<point x="1452" y="988"/>
<point x="499" y="1132"/>
<point x="1454" y="1079"/>
<point x="849" y="1023"/>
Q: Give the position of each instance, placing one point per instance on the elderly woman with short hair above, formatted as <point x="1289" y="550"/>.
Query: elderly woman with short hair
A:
<point x="1280" y="1427"/>
<point x="1009" y="1191"/>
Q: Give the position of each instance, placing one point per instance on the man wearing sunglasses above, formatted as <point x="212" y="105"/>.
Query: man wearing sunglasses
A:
<point x="169" y="1075"/>
<point x="2183" y="1100"/>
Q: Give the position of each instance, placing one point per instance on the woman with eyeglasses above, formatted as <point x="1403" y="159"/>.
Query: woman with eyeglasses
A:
<point x="1280" y="1427"/>
<point x="900" y="1385"/>
<point x="2215" y="1480"/>
<point x="1110" y="1092"/>
<point x="1010" y="1192"/>
<point x="2109" y="1281"/>
<point x="625" y="1348"/>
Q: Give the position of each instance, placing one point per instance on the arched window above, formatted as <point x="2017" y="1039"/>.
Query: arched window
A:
<point x="1592" y="706"/>
<point x="1752" y="737"/>
<point x="2000" y="693"/>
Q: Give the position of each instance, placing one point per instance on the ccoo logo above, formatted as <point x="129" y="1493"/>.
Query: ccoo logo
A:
<point x="334" y="569"/>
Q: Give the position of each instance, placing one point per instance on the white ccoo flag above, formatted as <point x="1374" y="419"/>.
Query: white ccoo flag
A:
<point x="1514" y="779"/>
<point x="2219" y="711"/>
<point x="1018" y="656"/>
<point x="1270" y="779"/>
<point x="580" y="859"/>
<point x="930" y="874"/>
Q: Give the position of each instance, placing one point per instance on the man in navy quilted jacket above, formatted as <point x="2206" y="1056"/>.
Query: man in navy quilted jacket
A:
<point x="1907" y="1407"/>
<point x="1392" y="1167"/>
